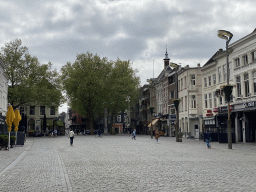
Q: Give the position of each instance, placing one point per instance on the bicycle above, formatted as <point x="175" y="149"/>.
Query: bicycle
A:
<point x="97" y="135"/>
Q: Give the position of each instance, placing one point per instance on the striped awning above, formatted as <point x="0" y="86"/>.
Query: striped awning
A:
<point x="153" y="122"/>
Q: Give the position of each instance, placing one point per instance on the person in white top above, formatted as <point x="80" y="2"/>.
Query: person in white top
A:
<point x="71" y="136"/>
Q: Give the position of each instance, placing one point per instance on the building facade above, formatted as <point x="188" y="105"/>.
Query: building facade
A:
<point x="190" y="94"/>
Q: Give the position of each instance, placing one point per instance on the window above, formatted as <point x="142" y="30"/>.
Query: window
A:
<point x="185" y="103"/>
<point x="246" y="85"/>
<point x="193" y="101"/>
<point x="42" y="110"/>
<point x="193" y="79"/>
<point x="205" y="100"/>
<point x="181" y="84"/>
<point x="52" y="111"/>
<point x="22" y="110"/>
<point x="185" y="82"/>
<point x="209" y="80"/>
<point x="253" y="54"/>
<point x="245" y="59"/>
<point x="220" y="100"/>
<point x="182" y="104"/>
<point x="214" y="100"/>
<point x="219" y="73"/>
<point x="205" y="82"/>
<point x="32" y="110"/>
<point x="214" y="79"/>
<point x="224" y="72"/>
<point x="210" y="100"/>
<point x="172" y="94"/>
<point x="118" y="118"/>
<point x="238" y="86"/>
<point x="237" y="62"/>
<point x="254" y="82"/>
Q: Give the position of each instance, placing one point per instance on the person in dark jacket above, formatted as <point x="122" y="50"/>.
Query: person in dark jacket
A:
<point x="207" y="137"/>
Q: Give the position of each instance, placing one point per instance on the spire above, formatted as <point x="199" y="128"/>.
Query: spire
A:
<point x="166" y="54"/>
<point x="166" y="59"/>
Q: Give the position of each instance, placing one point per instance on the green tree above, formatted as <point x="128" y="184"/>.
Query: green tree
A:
<point x="123" y="89"/>
<point x="30" y="82"/>
<point x="85" y="85"/>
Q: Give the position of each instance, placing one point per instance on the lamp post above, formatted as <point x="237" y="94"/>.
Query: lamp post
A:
<point x="228" y="88"/>
<point x="151" y="111"/>
<point x="176" y="101"/>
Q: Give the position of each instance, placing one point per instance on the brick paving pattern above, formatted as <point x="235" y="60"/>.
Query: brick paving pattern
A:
<point x="118" y="163"/>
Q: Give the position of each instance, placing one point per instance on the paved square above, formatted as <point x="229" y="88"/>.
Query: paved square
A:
<point x="118" y="163"/>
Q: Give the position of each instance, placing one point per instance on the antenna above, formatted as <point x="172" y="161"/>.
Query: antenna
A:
<point x="153" y="68"/>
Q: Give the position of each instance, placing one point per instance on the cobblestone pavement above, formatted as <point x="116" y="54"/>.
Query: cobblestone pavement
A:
<point x="118" y="163"/>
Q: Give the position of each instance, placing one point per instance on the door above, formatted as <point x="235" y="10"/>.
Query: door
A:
<point x="196" y="132"/>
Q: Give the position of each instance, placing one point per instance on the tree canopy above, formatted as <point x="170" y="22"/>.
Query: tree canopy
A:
<point x="93" y="84"/>
<point x="29" y="81"/>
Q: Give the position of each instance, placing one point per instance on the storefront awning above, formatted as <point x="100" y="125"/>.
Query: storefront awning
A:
<point x="153" y="122"/>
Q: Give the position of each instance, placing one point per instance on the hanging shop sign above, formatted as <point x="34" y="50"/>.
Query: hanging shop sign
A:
<point x="215" y="110"/>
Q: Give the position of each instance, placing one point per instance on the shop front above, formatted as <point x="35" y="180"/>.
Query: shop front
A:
<point x="245" y="121"/>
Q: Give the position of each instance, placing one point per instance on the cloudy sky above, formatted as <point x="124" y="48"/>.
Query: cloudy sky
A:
<point x="129" y="29"/>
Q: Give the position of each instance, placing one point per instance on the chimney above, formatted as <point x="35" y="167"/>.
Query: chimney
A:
<point x="198" y="65"/>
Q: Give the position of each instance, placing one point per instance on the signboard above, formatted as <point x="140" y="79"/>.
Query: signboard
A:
<point x="215" y="110"/>
<point x="224" y="109"/>
<point x="249" y="104"/>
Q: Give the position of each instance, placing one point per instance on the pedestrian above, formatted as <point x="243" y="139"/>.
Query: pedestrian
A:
<point x="207" y="137"/>
<point x="134" y="134"/>
<point x="157" y="135"/>
<point x="71" y="136"/>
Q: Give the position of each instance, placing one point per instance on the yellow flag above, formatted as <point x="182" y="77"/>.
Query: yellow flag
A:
<point x="16" y="120"/>
<point x="9" y="118"/>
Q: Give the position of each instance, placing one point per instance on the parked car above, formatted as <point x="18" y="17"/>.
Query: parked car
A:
<point x="37" y="134"/>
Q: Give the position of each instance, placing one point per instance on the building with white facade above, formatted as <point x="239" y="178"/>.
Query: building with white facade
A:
<point x="3" y="89"/>
<point x="190" y="94"/>
<point x="35" y="117"/>
<point x="243" y="58"/>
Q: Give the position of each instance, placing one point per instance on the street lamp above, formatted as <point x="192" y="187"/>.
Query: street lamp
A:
<point x="176" y="101"/>
<point x="228" y="88"/>
<point x="152" y="112"/>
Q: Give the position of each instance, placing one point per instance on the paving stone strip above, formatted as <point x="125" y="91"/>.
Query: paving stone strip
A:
<point x="117" y="163"/>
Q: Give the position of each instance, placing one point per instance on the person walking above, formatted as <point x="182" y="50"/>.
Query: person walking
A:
<point x="134" y="134"/>
<point x="71" y="136"/>
<point x="207" y="137"/>
<point x="157" y="135"/>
